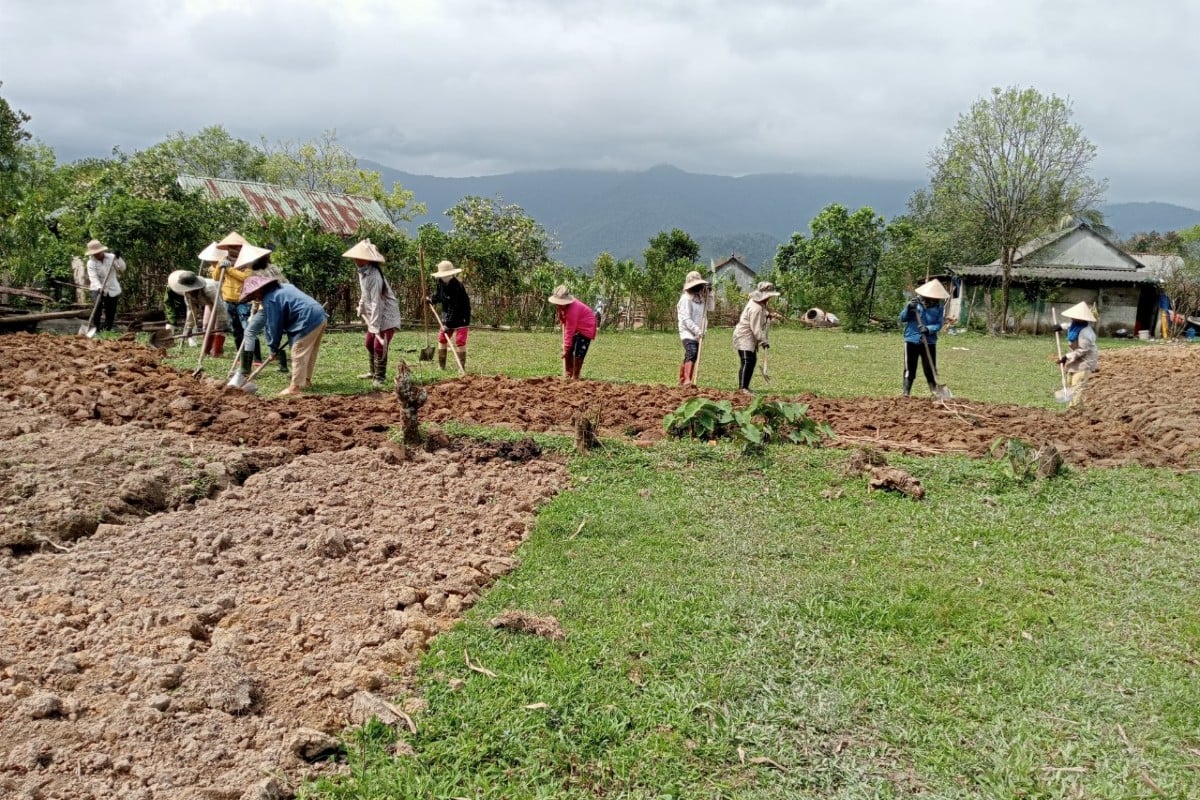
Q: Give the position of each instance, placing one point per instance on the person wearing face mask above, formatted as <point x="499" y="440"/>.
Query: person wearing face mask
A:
<point x="456" y="312"/>
<point x="378" y="307"/>
<point x="922" y="318"/>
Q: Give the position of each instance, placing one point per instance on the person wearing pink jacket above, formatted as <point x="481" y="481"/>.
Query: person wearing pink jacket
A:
<point x="579" y="328"/>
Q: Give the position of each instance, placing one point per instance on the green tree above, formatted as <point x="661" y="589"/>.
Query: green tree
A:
<point x="213" y="153"/>
<point x="837" y="266"/>
<point x="12" y="136"/>
<point x="1009" y="168"/>
<point x="325" y="164"/>
<point x="502" y="247"/>
<point x="669" y="258"/>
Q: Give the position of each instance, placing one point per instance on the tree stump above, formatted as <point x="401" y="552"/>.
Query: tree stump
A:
<point x="411" y="398"/>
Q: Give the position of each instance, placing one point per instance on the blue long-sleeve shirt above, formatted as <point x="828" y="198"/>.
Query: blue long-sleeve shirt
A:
<point x="289" y="310"/>
<point x="932" y="317"/>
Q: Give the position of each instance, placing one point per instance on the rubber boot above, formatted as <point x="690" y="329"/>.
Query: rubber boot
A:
<point x="243" y="370"/>
<point x="369" y="375"/>
<point x="441" y="358"/>
<point x="681" y="366"/>
<point x="462" y="357"/>
<point x="576" y="368"/>
<point x="685" y="373"/>
<point x="907" y="386"/>
<point x="283" y="361"/>
<point x="380" y="371"/>
<point x="569" y="366"/>
<point x="933" y="388"/>
<point x="216" y="345"/>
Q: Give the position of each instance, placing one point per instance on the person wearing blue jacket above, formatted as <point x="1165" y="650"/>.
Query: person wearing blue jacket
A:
<point x="289" y="310"/>
<point x="922" y="318"/>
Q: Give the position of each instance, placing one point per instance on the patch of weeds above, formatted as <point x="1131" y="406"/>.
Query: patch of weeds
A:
<point x="761" y="423"/>
<point x="1023" y="462"/>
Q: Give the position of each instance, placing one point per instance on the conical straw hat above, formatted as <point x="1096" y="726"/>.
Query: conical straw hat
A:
<point x="234" y="239"/>
<point x="250" y="254"/>
<point x="1080" y="311"/>
<point x="211" y="253"/>
<point x="364" y="251"/>
<point x="933" y="290"/>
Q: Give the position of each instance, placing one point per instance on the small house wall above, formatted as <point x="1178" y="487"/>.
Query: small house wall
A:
<point x="745" y="279"/>
<point x="1116" y="308"/>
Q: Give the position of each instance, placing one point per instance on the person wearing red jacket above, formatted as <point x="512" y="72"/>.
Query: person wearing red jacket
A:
<point x="579" y="329"/>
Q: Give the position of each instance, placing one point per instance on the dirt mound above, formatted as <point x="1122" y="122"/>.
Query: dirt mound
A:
<point x="1140" y="407"/>
<point x="184" y="655"/>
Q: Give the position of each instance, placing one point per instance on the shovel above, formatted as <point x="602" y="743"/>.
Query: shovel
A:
<point x="208" y="329"/>
<point x="940" y="390"/>
<point x="762" y="366"/>
<point x="88" y="329"/>
<point x="250" y="386"/>
<point x="453" y="347"/>
<point x="1062" y="395"/>
<point x="426" y="353"/>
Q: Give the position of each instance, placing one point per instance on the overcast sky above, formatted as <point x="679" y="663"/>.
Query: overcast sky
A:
<point x="473" y="87"/>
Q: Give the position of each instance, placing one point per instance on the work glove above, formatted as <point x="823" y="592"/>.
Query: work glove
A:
<point x="191" y="341"/>
<point x="922" y="330"/>
<point x="766" y="346"/>
<point x="1063" y="361"/>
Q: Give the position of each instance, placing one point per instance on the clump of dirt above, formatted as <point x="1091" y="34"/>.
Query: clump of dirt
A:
<point x="524" y="622"/>
<point x="894" y="479"/>
<point x="521" y="450"/>
<point x="186" y="654"/>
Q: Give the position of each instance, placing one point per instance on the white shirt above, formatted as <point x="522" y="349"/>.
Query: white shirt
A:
<point x="108" y="265"/>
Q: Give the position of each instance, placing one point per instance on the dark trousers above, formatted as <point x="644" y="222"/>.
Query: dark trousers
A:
<point x="747" y="361"/>
<point x="914" y="353"/>
<point x="108" y="306"/>
<point x="239" y="315"/>
<point x="691" y="350"/>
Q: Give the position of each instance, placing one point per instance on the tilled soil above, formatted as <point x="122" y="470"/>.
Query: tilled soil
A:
<point x="198" y="585"/>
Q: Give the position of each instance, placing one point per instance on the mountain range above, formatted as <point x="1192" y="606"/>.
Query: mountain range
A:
<point x="595" y="211"/>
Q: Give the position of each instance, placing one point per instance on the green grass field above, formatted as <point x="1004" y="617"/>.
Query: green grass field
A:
<point x="766" y="628"/>
<point x="822" y="362"/>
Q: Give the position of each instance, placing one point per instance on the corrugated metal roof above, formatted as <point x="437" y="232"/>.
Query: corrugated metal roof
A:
<point x="337" y="213"/>
<point x="1051" y="272"/>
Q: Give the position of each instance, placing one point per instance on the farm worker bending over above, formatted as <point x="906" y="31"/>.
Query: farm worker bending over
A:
<point x="225" y="254"/>
<point x="103" y="268"/>
<point x="377" y="306"/>
<point x="579" y="328"/>
<point x="692" y="313"/>
<point x="1081" y="360"/>
<point x="202" y="296"/>
<point x="289" y="310"/>
<point x="751" y="332"/>
<point x="922" y="319"/>
<point x="456" y="312"/>
<point x="258" y="261"/>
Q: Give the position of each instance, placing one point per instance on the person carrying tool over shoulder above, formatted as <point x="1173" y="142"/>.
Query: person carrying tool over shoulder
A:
<point x="289" y="310"/>
<point x="1083" y="357"/>
<point x="378" y="307"/>
<point x="456" y="312"/>
<point x="692" y="314"/>
<point x="751" y="333"/>
<point x="579" y="329"/>
<point x="922" y="318"/>
<point x="103" y="267"/>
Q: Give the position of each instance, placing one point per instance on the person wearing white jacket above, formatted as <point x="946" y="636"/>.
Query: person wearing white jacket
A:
<point x="692" y="313"/>
<point x="103" y="269"/>
<point x="378" y="307"/>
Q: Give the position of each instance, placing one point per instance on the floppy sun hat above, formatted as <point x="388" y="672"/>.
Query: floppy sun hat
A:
<point x="94" y="248"/>
<point x="183" y="281"/>
<point x="255" y="284"/>
<point x="561" y="296"/>
<point x="445" y="269"/>
<point x="693" y="280"/>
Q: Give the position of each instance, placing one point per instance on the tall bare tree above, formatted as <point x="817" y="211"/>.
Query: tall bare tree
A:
<point x="1009" y="168"/>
